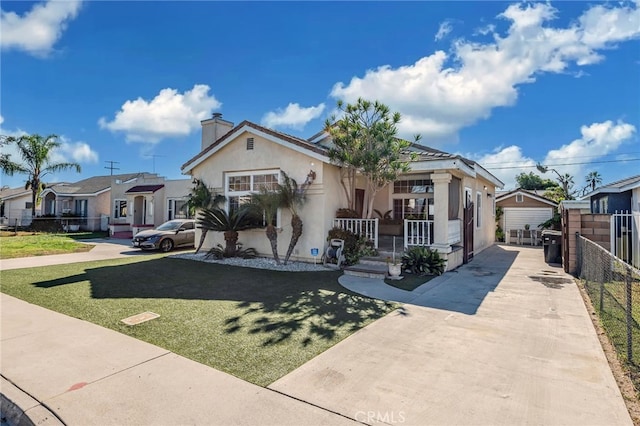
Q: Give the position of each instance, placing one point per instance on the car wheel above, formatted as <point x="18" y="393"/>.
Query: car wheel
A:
<point x="166" y="245"/>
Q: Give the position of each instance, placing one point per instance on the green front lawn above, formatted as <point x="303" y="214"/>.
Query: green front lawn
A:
<point x="12" y="246"/>
<point x="255" y="324"/>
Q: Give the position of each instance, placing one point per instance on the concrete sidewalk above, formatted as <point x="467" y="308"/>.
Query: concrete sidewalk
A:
<point x="504" y="340"/>
<point x="59" y="369"/>
<point x="105" y="248"/>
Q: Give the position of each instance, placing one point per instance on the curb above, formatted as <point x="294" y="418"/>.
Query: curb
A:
<point x="19" y="409"/>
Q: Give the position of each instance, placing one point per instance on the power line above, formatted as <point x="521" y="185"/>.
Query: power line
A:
<point x="573" y="156"/>
<point x="110" y="166"/>
<point x="563" y="164"/>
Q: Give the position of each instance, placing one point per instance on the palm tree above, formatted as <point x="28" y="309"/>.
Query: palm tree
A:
<point x="201" y="198"/>
<point x="219" y="220"/>
<point x="35" y="151"/>
<point x="292" y="197"/>
<point x="593" y="180"/>
<point x="268" y="202"/>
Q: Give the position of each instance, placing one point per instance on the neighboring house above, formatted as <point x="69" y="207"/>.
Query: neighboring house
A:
<point x="431" y="201"/>
<point x="85" y="203"/>
<point x="621" y="200"/>
<point x="15" y="206"/>
<point x="147" y="201"/>
<point x="117" y="202"/>
<point x="523" y="209"/>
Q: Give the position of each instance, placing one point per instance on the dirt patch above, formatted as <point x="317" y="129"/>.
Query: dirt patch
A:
<point x="620" y="373"/>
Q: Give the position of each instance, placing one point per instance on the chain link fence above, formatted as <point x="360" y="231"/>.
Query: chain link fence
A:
<point x="614" y="289"/>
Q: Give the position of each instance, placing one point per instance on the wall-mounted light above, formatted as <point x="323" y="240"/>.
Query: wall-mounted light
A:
<point x="311" y="176"/>
<point x="485" y="187"/>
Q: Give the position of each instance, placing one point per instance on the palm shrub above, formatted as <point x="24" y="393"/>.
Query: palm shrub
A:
<point x="201" y="197"/>
<point x="267" y="203"/>
<point x="218" y="219"/>
<point x="292" y="196"/>
<point x="422" y="260"/>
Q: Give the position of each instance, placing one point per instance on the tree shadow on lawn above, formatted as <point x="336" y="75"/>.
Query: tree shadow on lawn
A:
<point x="276" y="304"/>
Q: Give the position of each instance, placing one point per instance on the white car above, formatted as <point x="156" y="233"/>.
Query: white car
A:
<point x="171" y="234"/>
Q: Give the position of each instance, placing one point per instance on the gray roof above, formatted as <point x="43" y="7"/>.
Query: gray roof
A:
<point x="91" y="185"/>
<point x="12" y="192"/>
<point x="622" y="185"/>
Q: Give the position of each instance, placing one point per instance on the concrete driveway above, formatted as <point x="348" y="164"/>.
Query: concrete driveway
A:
<point x="504" y="340"/>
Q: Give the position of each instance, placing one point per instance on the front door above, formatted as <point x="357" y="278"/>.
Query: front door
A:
<point x="467" y="253"/>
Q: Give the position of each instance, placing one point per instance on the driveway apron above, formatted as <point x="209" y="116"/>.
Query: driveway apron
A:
<point x="505" y="339"/>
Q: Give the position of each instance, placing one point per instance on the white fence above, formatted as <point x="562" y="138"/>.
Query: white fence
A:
<point x="418" y="232"/>
<point x="625" y="237"/>
<point x="365" y="227"/>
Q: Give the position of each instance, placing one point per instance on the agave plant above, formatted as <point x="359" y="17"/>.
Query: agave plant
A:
<point x="421" y="260"/>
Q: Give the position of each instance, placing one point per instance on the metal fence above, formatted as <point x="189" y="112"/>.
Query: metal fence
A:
<point x="614" y="289"/>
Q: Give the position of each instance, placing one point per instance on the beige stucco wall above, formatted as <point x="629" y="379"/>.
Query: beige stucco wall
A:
<point x="324" y="196"/>
<point x="14" y="208"/>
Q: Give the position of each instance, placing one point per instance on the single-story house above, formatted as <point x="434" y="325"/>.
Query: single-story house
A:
<point x="445" y="201"/>
<point x="146" y="201"/>
<point x="522" y="210"/>
<point x="621" y="200"/>
<point x="15" y="206"/>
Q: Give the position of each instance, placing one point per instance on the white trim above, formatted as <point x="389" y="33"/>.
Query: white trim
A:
<point x="246" y="128"/>
<point x="80" y="194"/>
<point x="251" y="174"/>
<point x="483" y="173"/>
<point x="526" y="194"/>
<point x="18" y="195"/>
<point x="478" y="213"/>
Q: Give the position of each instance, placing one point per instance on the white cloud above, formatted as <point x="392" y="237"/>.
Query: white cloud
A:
<point x="37" y="31"/>
<point x="511" y="156"/>
<point x="78" y="152"/>
<point x="444" y="29"/>
<point x="444" y="92"/>
<point x="597" y="141"/>
<point x="293" y="116"/>
<point x="170" y="114"/>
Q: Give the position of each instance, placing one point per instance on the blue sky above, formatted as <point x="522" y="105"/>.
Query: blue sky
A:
<point x="506" y="84"/>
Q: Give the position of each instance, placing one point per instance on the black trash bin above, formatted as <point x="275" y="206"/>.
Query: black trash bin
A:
<point x="552" y="246"/>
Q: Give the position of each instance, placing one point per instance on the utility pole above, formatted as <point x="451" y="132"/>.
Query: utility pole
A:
<point x="111" y="167"/>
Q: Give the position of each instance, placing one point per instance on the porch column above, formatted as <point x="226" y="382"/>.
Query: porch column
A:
<point x="441" y="214"/>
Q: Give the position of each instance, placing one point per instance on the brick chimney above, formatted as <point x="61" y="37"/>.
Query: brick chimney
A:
<point x="214" y="128"/>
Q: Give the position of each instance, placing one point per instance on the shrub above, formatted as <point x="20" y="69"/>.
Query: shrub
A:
<point x="355" y="246"/>
<point x="218" y="252"/>
<point x="347" y="214"/>
<point x="499" y="234"/>
<point x="46" y="224"/>
<point x="422" y="260"/>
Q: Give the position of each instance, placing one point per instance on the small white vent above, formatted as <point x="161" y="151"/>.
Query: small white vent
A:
<point x="519" y="198"/>
<point x="249" y="143"/>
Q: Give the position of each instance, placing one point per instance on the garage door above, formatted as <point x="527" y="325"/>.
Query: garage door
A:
<point x="517" y="217"/>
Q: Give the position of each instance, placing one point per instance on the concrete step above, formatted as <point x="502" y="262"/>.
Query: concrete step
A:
<point x="378" y="271"/>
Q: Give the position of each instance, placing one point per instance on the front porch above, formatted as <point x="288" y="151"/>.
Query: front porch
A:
<point x="414" y="233"/>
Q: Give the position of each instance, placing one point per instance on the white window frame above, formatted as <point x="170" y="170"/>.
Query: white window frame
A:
<point x="478" y="209"/>
<point x="251" y="173"/>
<point x="117" y="206"/>
<point x="171" y="207"/>
<point x="519" y="198"/>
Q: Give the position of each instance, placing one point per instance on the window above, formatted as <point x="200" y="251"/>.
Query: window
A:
<point x="414" y="186"/>
<point x="519" y="198"/>
<point x="119" y="209"/>
<point x="177" y="209"/>
<point x="240" y="186"/>
<point x="249" y="144"/>
<point x="81" y="210"/>
<point x="28" y="205"/>
<point x="187" y="225"/>
<point x="413" y="208"/>
<point x="478" y="209"/>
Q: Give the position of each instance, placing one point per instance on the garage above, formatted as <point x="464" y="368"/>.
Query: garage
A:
<point x="521" y="207"/>
<point x="517" y="218"/>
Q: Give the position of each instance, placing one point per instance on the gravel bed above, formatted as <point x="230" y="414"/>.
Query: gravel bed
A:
<point x="258" y="263"/>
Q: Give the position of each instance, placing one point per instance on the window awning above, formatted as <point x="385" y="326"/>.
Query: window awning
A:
<point x="144" y="188"/>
